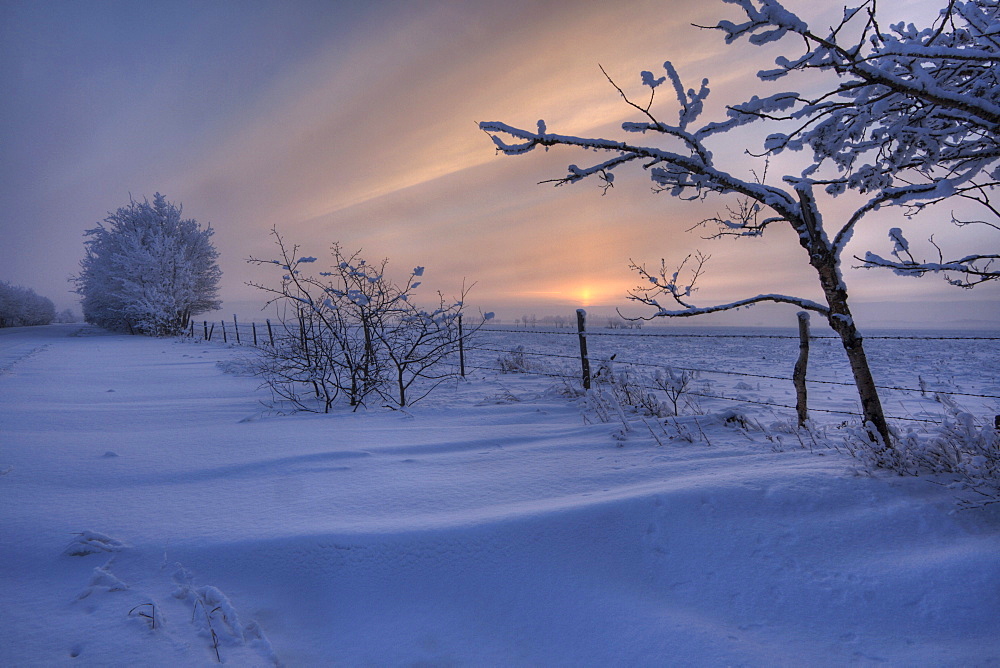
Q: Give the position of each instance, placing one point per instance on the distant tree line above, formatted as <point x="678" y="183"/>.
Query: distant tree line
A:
<point x="21" y="307"/>
<point x="560" y="322"/>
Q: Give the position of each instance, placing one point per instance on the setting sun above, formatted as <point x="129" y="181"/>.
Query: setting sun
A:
<point x="575" y="295"/>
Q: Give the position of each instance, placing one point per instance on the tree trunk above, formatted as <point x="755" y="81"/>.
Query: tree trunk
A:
<point x="841" y="321"/>
<point x="823" y="257"/>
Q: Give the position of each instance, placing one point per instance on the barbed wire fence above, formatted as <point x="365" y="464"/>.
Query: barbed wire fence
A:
<point x="921" y="388"/>
<point x="510" y="355"/>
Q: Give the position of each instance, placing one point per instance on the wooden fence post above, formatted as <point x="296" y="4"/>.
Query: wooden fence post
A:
<point x="799" y="373"/>
<point x="204" y="323"/>
<point x="253" y="326"/>
<point x="270" y="333"/>
<point x="236" y="326"/>
<point x="461" y="348"/>
<point x="581" y="328"/>
<point x="208" y="335"/>
<point x="225" y="339"/>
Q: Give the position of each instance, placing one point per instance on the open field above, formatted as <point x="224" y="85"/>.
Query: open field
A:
<point x="154" y="512"/>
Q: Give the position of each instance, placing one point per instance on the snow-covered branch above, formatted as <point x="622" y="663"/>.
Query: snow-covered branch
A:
<point x="662" y="311"/>
<point x="910" y="98"/>
<point x="970" y="270"/>
<point x="691" y="173"/>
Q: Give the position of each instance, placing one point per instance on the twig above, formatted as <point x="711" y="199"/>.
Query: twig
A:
<point x="151" y="618"/>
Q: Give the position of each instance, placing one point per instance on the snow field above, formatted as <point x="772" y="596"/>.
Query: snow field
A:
<point x="492" y="525"/>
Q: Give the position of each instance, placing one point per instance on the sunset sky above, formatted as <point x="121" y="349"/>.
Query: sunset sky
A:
<point x="357" y="123"/>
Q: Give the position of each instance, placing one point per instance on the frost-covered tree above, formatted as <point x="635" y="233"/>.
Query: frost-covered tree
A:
<point x="147" y="270"/>
<point x="902" y="117"/>
<point x="915" y="111"/>
<point x="21" y="307"/>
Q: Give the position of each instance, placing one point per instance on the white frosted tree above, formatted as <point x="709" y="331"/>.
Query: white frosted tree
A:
<point x="22" y="307"/>
<point x="903" y="116"/>
<point x="147" y="270"/>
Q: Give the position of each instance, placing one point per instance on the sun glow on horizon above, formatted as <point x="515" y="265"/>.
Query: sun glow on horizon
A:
<point x="583" y="295"/>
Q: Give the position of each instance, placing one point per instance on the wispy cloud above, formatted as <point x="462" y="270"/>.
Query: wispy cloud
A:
<point x="358" y="123"/>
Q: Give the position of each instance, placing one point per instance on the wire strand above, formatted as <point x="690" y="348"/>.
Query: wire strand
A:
<point x="720" y="397"/>
<point x="735" y="373"/>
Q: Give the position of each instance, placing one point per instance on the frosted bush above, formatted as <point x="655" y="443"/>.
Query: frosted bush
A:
<point x="514" y="361"/>
<point x="642" y="393"/>
<point x="962" y="446"/>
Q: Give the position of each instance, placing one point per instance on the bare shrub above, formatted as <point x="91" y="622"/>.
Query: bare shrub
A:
<point x="352" y="333"/>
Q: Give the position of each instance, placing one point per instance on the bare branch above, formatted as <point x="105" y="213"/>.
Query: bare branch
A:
<point x="669" y="284"/>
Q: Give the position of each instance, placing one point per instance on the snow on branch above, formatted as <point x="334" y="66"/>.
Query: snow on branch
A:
<point x="965" y="272"/>
<point x="687" y="170"/>
<point x="355" y="333"/>
<point x="663" y="312"/>
<point x="767" y="23"/>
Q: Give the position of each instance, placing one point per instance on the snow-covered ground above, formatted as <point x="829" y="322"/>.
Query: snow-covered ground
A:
<point x="152" y="513"/>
